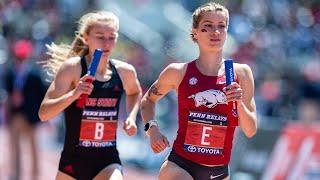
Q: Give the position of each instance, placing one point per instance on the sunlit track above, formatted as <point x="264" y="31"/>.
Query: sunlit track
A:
<point x="49" y="155"/>
<point x="47" y="158"/>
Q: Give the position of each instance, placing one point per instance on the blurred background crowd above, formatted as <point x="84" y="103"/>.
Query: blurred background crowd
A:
<point x="278" y="39"/>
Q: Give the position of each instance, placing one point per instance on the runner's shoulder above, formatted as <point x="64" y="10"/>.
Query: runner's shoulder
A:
<point x="71" y="63"/>
<point x="176" y="68"/>
<point x="70" y="66"/>
<point x="242" y="70"/>
<point x="122" y="65"/>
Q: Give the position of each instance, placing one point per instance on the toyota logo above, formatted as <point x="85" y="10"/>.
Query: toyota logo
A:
<point x="192" y="149"/>
<point x="86" y="143"/>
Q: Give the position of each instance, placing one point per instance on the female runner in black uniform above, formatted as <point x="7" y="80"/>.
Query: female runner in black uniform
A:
<point x="90" y="144"/>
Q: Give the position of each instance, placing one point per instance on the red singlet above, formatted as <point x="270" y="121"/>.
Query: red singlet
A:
<point x="206" y="121"/>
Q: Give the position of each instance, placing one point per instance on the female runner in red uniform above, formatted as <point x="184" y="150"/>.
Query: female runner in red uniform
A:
<point x="203" y="145"/>
<point x="90" y="144"/>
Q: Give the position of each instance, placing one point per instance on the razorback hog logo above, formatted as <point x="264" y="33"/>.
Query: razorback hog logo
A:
<point x="209" y="98"/>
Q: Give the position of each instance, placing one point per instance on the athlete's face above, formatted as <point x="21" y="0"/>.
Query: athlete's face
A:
<point x="211" y="32"/>
<point x="103" y="36"/>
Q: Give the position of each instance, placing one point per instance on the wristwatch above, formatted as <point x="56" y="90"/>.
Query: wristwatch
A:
<point x="149" y="124"/>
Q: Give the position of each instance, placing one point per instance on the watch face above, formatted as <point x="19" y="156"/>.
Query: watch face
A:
<point x="146" y="127"/>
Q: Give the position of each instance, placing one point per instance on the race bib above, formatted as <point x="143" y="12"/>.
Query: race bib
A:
<point x="206" y="133"/>
<point x="98" y="129"/>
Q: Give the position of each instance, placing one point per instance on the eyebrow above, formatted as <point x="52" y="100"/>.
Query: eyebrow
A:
<point x="101" y="33"/>
<point x="207" y="21"/>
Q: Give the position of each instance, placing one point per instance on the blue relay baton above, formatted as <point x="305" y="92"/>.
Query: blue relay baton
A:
<point x="228" y="66"/>
<point x="230" y="77"/>
<point x="91" y="71"/>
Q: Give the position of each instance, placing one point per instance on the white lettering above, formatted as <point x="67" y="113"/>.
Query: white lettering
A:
<point x="102" y="144"/>
<point x="99" y="113"/>
<point x="90" y="113"/>
<point x="99" y="131"/>
<point x="208" y="151"/>
<point x="204" y="135"/>
<point x="203" y="116"/>
<point x="106" y="114"/>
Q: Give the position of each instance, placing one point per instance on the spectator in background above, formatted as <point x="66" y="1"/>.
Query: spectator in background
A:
<point x="90" y="144"/>
<point x="308" y="111"/>
<point x="25" y="90"/>
<point x="3" y="97"/>
<point x="311" y="80"/>
<point x="309" y="105"/>
<point x="207" y="117"/>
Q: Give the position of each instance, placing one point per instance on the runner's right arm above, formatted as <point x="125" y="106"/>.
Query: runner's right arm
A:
<point x="64" y="89"/>
<point x="168" y="80"/>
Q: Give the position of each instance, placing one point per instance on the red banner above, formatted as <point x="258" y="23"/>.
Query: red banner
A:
<point x="296" y="154"/>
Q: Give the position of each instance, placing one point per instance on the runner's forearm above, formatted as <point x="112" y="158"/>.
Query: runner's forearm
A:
<point x="147" y="109"/>
<point x="50" y="108"/>
<point x="132" y="103"/>
<point x="247" y="120"/>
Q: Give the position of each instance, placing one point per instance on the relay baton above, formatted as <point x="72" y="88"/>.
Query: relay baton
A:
<point x="229" y="71"/>
<point x="91" y="71"/>
<point x="228" y="66"/>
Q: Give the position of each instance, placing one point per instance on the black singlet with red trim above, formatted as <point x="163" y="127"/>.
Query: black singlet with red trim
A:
<point x="91" y="131"/>
<point x="101" y="107"/>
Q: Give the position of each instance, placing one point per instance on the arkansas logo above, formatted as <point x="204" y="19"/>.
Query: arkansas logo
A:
<point x="209" y="98"/>
<point x="193" y="81"/>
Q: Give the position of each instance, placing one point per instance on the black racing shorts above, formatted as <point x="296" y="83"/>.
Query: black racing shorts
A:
<point x="197" y="171"/>
<point x="87" y="165"/>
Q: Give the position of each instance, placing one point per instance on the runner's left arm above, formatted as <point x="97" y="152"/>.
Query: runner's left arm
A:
<point x="246" y="106"/>
<point x="132" y="89"/>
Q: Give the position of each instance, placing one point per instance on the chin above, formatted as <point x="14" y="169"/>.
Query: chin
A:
<point x="215" y="48"/>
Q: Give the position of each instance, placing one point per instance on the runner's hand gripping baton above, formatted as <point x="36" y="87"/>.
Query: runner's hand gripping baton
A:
<point x="228" y="66"/>
<point x="91" y="71"/>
